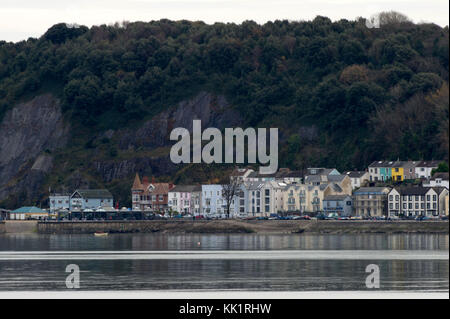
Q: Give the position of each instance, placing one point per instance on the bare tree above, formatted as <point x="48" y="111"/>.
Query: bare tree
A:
<point x="230" y="189"/>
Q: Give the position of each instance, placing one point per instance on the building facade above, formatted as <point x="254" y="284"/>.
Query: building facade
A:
<point x="424" y="169"/>
<point x="370" y="201"/>
<point x="340" y="205"/>
<point x="83" y="199"/>
<point x="182" y="199"/>
<point x="213" y="202"/>
<point x="59" y="201"/>
<point x="438" y="180"/>
<point x="150" y="196"/>
<point x="417" y="201"/>
<point x="358" y="178"/>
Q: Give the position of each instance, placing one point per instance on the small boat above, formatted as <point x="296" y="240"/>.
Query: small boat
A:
<point x="100" y="234"/>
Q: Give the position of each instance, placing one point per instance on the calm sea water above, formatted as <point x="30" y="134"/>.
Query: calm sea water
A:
<point x="21" y="270"/>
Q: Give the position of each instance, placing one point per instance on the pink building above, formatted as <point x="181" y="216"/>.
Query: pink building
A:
<point x="183" y="199"/>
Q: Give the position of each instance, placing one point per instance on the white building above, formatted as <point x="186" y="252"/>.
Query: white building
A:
<point x="438" y="180"/>
<point x="357" y="178"/>
<point x="416" y="201"/>
<point x="213" y="203"/>
<point x="423" y="169"/>
<point x="264" y="198"/>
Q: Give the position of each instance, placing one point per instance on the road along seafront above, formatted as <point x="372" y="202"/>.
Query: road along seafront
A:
<point x="233" y="226"/>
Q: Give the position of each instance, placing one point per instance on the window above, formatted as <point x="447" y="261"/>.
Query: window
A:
<point x="391" y="198"/>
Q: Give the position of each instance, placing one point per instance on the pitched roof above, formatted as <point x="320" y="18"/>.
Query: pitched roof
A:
<point x="412" y="190"/>
<point x="94" y="193"/>
<point x="29" y="209"/>
<point x="355" y="174"/>
<point x="137" y="182"/>
<point x="371" y="190"/>
<point x="428" y="163"/>
<point x="336" y="197"/>
<point x="441" y="175"/>
<point x="382" y="164"/>
<point x="185" y="189"/>
<point x="440" y="189"/>
<point x="159" y="188"/>
<point x="336" y="178"/>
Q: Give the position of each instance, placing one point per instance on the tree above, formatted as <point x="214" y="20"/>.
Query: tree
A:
<point x="442" y="168"/>
<point x="230" y="190"/>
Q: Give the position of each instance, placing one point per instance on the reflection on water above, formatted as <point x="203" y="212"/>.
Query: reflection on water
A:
<point x="37" y="242"/>
<point x="303" y="275"/>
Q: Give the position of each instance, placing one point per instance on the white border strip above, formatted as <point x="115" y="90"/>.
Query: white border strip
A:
<point x="164" y="294"/>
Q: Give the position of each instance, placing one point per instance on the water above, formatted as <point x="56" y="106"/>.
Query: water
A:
<point x="417" y="262"/>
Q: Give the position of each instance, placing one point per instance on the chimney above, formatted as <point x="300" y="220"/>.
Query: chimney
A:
<point x="153" y="179"/>
<point x="145" y="180"/>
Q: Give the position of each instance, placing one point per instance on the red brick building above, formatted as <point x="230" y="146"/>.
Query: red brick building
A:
<point x="150" y="196"/>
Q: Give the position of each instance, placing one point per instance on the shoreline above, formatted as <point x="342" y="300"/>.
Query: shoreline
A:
<point x="243" y="227"/>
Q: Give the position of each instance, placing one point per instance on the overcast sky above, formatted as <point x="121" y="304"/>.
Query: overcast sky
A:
<point x="20" y="19"/>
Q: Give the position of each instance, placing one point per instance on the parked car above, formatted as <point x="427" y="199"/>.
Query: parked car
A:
<point x="422" y="218"/>
<point x="444" y="218"/>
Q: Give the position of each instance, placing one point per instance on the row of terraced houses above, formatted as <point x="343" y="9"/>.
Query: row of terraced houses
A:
<point x="316" y="190"/>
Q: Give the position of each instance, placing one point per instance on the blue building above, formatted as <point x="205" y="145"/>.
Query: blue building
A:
<point x="338" y="205"/>
<point x="90" y="199"/>
<point x="213" y="203"/>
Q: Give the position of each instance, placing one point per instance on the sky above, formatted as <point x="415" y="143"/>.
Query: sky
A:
<point x="21" y="19"/>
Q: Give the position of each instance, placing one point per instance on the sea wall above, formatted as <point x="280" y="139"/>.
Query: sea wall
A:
<point x="241" y="226"/>
<point x="2" y="228"/>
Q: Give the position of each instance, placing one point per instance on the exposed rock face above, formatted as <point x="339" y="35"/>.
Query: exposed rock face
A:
<point x="110" y="170"/>
<point x="25" y="132"/>
<point x="212" y="110"/>
<point x="32" y="130"/>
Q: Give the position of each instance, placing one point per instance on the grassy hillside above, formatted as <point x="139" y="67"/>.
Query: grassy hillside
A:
<point x="342" y="94"/>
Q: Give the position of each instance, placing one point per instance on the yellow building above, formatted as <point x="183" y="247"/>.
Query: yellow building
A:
<point x="397" y="173"/>
<point x="309" y="198"/>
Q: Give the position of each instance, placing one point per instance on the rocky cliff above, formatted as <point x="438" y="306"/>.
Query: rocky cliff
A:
<point x="29" y="133"/>
<point x="38" y="151"/>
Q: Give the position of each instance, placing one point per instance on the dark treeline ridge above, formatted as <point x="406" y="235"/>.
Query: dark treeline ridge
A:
<point x="343" y="94"/>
